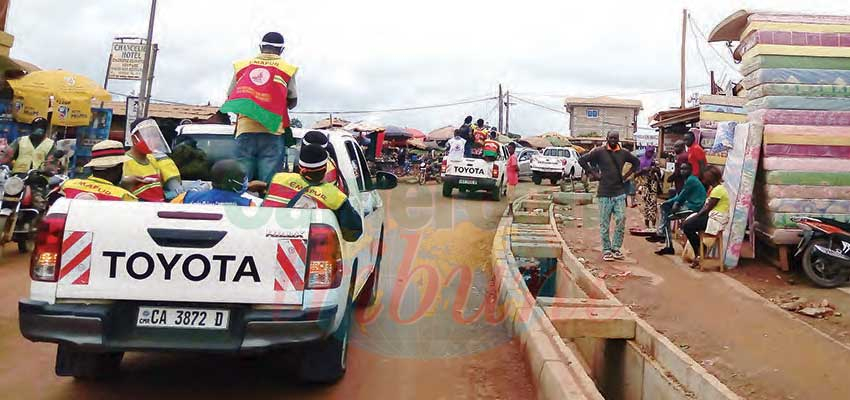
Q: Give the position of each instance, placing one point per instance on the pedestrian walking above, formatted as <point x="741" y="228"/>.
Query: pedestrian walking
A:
<point x="605" y="163"/>
<point x="513" y="174"/>
<point x="648" y="180"/>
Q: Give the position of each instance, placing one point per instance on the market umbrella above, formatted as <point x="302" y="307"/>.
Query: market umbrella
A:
<point x="363" y="126"/>
<point x="537" y="142"/>
<point x="394" y="132"/>
<point x="415" y="133"/>
<point x="70" y="95"/>
<point x="423" y="145"/>
<point x="444" y="133"/>
<point x="503" y="139"/>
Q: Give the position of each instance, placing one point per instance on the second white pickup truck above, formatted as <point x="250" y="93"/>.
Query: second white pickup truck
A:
<point x="110" y="277"/>
<point x="476" y="174"/>
<point x="554" y="164"/>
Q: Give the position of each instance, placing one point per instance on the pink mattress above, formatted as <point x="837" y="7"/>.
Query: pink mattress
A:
<point x="793" y="39"/>
<point x="805" y="150"/>
<point x="805" y="164"/>
<point x="801" y="117"/>
<point x="808" y="130"/>
<point x="806" y="192"/>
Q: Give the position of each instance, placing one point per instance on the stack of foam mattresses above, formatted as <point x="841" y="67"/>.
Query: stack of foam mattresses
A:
<point x="715" y="111"/>
<point x="797" y="70"/>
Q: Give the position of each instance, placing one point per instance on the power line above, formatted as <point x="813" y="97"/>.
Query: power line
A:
<point x="387" y="110"/>
<point x="695" y="25"/>
<point x="615" y="94"/>
<point x="538" y="105"/>
<point x="699" y="51"/>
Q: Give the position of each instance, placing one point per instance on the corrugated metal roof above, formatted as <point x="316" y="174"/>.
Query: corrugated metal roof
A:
<point x="603" y="101"/>
<point x="159" y="110"/>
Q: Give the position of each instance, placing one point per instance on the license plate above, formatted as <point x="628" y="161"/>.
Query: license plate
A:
<point x="190" y="318"/>
<point x="467" y="182"/>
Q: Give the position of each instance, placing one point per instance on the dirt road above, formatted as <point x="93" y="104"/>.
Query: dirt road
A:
<point x="751" y="345"/>
<point x="431" y="336"/>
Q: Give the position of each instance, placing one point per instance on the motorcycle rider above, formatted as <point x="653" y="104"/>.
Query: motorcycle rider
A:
<point x="30" y="152"/>
<point x="149" y="173"/>
<point x="107" y="163"/>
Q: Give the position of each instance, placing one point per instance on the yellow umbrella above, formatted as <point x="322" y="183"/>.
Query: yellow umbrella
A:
<point x="69" y="94"/>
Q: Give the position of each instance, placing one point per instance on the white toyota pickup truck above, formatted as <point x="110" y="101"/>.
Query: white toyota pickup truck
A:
<point x="110" y="277"/>
<point x="475" y="174"/>
<point x="555" y="163"/>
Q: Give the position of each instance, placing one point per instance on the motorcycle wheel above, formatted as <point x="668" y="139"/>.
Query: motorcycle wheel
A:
<point x="25" y="246"/>
<point x="819" y="270"/>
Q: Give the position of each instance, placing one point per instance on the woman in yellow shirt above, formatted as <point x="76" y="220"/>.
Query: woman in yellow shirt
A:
<point x="713" y="216"/>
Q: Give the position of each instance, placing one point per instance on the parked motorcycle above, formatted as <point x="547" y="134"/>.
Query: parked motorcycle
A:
<point x="24" y="204"/>
<point x="824" y="250"/>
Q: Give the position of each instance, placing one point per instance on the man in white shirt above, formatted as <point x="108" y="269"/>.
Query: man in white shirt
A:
<point x="456" y="147"/>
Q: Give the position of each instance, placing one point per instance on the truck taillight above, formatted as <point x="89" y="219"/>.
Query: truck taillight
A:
<point x="445" y="165"/>
<point x="563" y="162"/>
<point x="324" y="258"/>
<point x="44" y="265"/>
<point x="495" y="171"/>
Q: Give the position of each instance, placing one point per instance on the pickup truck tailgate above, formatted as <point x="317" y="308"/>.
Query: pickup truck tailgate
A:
<point x="187" y="253"/>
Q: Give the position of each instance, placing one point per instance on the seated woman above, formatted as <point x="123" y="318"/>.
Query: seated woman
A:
<point x="690" y="199"/>
<point x="714" y="214"/>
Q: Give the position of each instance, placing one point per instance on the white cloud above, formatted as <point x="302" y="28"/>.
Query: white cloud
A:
<point x="383" y="54"/>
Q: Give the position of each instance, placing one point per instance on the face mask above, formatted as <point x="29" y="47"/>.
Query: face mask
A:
<point x="140" y="145"/>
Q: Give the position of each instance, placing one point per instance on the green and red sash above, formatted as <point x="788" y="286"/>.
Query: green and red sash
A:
<point x="261" y="90"/>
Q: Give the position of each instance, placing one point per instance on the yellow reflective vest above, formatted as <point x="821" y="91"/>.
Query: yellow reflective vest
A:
<point x="30" y="157"/>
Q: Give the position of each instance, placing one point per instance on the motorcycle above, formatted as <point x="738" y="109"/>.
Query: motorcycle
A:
<point x="429" y="170"/>
<point x="824" y="250"/>
<point x="23" y="206"/>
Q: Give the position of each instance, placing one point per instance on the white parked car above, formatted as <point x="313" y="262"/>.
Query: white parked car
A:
<point x="476" y="174"/>
<point x="110" y="277"/>
<point x="554" y="164"/>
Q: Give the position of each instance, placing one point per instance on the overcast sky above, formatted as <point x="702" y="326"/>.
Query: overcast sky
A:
<point x="356" y="55"/>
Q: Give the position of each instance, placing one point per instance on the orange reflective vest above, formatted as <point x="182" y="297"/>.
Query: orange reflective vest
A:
<point x="261" y="94"/>
<point x="287" y="187"/>
<point x="480" y="136"/>
<point x="95" y="189"/>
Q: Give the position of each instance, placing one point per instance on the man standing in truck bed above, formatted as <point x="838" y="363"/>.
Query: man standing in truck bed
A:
<point x="262" y="93"/>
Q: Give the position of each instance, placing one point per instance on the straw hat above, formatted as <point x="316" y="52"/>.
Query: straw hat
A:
<point x="107" y="154"/>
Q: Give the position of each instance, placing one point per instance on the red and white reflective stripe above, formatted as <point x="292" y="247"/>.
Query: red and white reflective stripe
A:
<point x="76" y="258"/>
<point x="292" y="263"/>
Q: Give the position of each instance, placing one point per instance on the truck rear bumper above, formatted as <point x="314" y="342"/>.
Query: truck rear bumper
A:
<point x="112" y="327"/>
<point x="470" y="183"/>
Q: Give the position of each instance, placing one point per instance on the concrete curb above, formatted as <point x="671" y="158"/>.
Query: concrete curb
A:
<point x="556" y="371"/>
<point x="689" y="375"/>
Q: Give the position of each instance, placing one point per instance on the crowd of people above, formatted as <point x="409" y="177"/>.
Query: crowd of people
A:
<point x="698" y="198"/>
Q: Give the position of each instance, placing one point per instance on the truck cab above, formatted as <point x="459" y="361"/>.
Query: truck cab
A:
<point x="554" y="164"/>
<point x="111" y="277"/>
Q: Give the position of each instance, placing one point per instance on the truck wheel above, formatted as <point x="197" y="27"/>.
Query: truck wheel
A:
<point x="325" y="361"/>
<point x="447" y="190"/>
<point x="71" y="361"/>
<point x="369" y="294"/>
<point x="496" y="194"/>
<point x="536" y="178"/>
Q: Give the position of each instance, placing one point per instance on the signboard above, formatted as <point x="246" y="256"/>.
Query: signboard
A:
<point x="127" y="60"/>
<point x="132" y="112"/>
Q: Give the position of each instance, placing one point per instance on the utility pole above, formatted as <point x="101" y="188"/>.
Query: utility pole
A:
<point x="508" y="114"/>
<point x="501" y="109"/>
<point x="144" y="91"/>
<point x="684" y="39"/>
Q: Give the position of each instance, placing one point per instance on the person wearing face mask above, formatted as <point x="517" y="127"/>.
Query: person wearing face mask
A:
<point x="229" y="182"/>
<point x="30" y="152"/>
<point x="149" y="173"/>
<point x="689" y="200"/>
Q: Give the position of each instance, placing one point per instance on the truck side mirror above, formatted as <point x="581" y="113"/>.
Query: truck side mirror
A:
<point x="385" y="180"/>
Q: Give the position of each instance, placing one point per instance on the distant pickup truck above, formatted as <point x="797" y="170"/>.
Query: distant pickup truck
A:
<point x="555" y="164"/>
<point x="110" y="277"/>
<point x="476" y="174"/>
